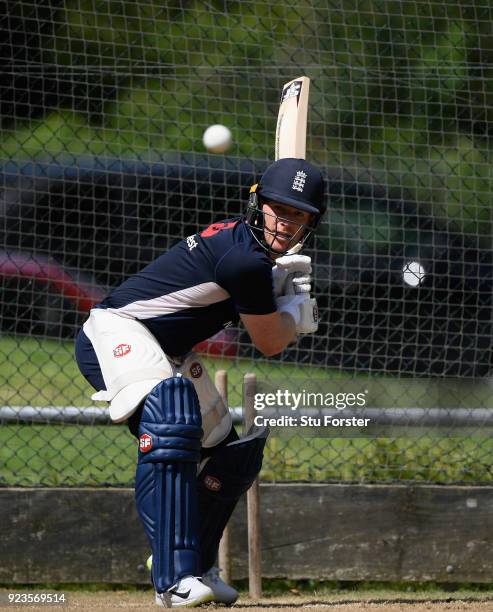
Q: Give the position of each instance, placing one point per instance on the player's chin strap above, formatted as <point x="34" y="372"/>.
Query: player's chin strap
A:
<point x="296" y="249"/>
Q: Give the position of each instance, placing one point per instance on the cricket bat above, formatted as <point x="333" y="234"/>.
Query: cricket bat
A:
<point x="292" y="118"/>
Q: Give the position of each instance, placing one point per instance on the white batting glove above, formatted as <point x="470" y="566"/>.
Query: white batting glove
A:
<point x="303" y="309"/>
<point x="301" y="284"/>
<point x="295" y="263"/>
<point x="288" y="268"/>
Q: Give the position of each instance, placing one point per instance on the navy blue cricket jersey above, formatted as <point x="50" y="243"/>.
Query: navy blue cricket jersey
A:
<point x="198" y="287"/>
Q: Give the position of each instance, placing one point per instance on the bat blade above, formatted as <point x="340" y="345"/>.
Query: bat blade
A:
<point x="292" y="118"/>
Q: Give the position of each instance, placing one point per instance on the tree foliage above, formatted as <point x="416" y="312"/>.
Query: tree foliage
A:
<point x="402" y="91"/>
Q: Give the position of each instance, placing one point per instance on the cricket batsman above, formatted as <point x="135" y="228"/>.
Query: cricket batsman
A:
<point x="135" y="350"/>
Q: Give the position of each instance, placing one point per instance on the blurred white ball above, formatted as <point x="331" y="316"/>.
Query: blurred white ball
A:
<point x="217" y="138"/>
<point x="413" y="273"/>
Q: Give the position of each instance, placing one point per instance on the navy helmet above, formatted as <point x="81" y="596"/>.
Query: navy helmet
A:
<point x="290" y="181"/>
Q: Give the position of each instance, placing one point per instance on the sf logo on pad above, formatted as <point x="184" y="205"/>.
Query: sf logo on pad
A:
<point x="145" y="443"/>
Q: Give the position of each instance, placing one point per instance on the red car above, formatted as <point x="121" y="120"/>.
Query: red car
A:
<point x="38" y="296"/>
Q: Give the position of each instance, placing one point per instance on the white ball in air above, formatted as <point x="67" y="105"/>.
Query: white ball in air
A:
<point x="413" y="273"/>
<point x="217" y="138"/>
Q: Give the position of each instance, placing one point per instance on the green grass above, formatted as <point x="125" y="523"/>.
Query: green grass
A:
<point x="66" y="455"/>
<point x="43" y="372"/>
<point x="40" y="372"/>
<point x="426" y="459"/>
<point x="71" y="455"/>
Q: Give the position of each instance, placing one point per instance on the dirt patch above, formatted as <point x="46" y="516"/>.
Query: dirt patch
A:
<point x="392" y="602"/>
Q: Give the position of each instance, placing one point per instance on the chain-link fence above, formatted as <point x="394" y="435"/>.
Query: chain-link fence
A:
<point x="103" y="106"/>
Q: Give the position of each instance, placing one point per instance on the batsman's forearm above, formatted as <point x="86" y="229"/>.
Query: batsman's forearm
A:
<point x="286" y="333"/>
<point x="289" y="329"/>
<point x="270" y="333"/>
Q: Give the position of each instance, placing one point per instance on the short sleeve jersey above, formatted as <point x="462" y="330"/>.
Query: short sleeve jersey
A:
<point x="198" y="287"/>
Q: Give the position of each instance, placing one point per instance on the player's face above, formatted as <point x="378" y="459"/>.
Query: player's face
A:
<point x="284" y="225"/>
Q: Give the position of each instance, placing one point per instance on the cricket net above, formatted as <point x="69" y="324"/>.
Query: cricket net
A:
<point x="103" y="106"/>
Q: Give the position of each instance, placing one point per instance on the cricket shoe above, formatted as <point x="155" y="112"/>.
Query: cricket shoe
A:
<point x="188" y="592"/>
<point x="223" y="593"/>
